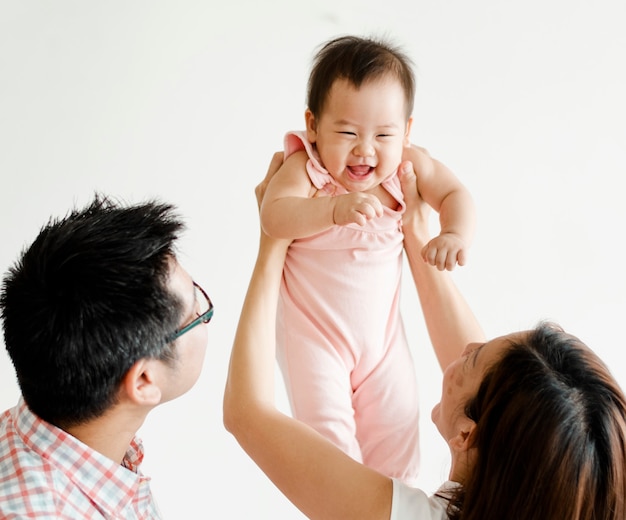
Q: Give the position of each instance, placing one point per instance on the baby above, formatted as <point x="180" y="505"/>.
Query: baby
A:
<point x="341" y="344"/>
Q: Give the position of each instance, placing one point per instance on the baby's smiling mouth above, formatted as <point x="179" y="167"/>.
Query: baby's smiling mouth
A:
<point x="360" y="170"/>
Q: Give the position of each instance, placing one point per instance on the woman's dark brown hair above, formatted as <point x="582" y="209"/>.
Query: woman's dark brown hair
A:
<point x="550" y="435"/>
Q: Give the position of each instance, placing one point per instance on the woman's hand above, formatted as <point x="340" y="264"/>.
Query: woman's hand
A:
<point x="417" y="213"/>
<point x="275" y="164"/>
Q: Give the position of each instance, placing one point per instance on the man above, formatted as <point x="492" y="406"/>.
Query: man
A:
<point x="100" y="322"/>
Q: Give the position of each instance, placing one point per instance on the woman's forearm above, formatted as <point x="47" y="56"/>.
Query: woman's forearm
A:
<point x="320" y="479"/>
<point x="450" y="322"/>
<point x="251" y="370"/>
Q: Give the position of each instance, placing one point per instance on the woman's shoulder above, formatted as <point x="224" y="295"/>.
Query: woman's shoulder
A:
<point x="409" y="503"/>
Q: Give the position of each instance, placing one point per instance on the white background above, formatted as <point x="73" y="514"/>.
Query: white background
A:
<point x="186" y="101"/>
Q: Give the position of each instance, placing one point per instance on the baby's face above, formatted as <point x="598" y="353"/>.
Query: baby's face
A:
<point x="361" y="132"/>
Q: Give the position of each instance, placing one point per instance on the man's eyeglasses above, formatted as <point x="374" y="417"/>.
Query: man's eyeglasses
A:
<point x="204" y="312"/>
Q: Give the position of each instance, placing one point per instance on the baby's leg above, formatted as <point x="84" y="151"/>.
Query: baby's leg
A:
<point x="318" y="386"/>
<point x="386" y="405"/>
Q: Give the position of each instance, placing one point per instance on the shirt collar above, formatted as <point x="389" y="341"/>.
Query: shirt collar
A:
<point x="110" y="485"/>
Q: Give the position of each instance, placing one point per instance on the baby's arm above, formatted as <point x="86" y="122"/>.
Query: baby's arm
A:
<point x="290" y="208"/>
<point x="441" y="189"/>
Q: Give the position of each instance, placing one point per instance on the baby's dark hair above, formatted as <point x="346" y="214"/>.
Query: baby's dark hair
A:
<point x="358" y="60"/>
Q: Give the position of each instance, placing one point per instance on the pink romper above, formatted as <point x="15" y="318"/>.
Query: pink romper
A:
<point x="341" y="344"/>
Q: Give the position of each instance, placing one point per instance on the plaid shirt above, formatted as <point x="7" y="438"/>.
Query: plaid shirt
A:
<point x="45" y="473"/>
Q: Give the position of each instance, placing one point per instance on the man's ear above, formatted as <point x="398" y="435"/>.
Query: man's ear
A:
<point x="140" y="383"/>
<point x="407" y="135"/>
<point x="311" y="126"/>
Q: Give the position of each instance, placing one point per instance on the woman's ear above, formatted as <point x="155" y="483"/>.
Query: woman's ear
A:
<point x="140" y="383"/>
<point x="462" y="450"/>
<point x="311" y="126"/>
<point x="463" y="441"/>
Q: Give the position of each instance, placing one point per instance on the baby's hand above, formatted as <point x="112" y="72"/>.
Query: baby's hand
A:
<point x="445" y="251"/>
<point x="356" y="208"/>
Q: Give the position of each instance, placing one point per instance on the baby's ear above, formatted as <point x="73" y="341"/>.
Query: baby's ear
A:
<point x="311" y="126"/>
<point x="407" y="134"/>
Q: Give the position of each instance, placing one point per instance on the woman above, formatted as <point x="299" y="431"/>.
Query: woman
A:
<point x="535" y="422"/>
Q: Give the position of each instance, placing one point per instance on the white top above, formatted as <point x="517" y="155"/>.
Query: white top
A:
<point x="413" y="504"/>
